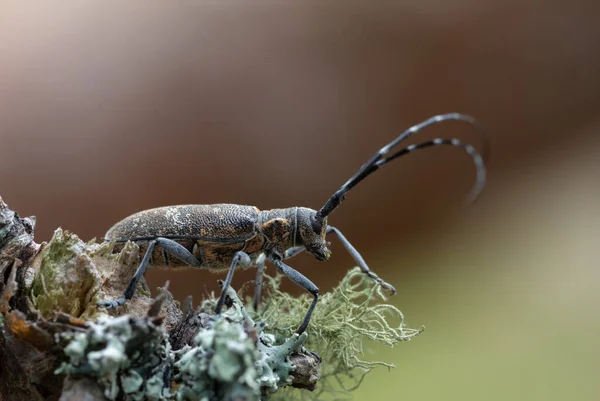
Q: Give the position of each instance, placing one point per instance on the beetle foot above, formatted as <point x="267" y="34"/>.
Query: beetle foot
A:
<point x="111" y="304"/>
<point x="313" y="354"/>
<point x="388" y="286"/>
<point x="382" y="283"/>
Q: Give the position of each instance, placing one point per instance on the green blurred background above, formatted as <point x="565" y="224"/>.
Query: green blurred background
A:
<point x="510" y="306"/>
<point x="107" y="108"/>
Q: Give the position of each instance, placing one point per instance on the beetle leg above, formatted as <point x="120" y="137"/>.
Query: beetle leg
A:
<point x="359" y="259"/>
<point x="111" y="304"/>
<point x="179" y="251"/>
<point x="314" y="354"/>
<point x="260" y="264"/>
<point x="300" y="280"/>
<point x="260" y="269"/>
<point x="291" y="252"/>
<point x="174" y="248"/>
<point x="240" y="258"/>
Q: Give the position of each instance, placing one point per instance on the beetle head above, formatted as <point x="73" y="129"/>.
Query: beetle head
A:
<point x="311" y="233"/>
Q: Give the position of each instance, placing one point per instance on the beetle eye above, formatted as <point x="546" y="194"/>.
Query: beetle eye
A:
<point x="316" y="225"/>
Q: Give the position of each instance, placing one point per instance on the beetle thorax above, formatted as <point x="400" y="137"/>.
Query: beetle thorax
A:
<point x="278" y="227"/>
<point x="297" y="226"/>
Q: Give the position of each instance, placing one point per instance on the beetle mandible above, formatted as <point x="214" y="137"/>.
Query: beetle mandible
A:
<point x="225" y="236"/>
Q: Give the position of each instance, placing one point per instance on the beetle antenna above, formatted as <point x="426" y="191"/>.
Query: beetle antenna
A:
<point x="383" y="156"/>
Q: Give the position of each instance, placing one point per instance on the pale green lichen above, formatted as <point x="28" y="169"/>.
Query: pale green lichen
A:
<point x="274" y="366"/>
<point x="131" y="359"/>
<point x="123" y="353"/>
<point x="227" y="364"/>
<point x="344" y="320"/>
<point x="235" y="358"/>
<point x="71" y="276"/>
<point x="67" y="279"/>
<point x="6" y="224"/>
<point x="222" y="365"/>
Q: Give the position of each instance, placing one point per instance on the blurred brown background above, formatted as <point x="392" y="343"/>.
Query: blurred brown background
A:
<point x="110" y="108"/>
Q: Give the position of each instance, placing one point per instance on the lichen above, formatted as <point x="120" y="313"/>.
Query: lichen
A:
<point x="239" y="356"/>
<point x="71" y="276"/>
<point x="274" y="365"/>
<point x="222" y="365"/>
<point x="126" y="355"/>
<point x="235" y="359"/>
<point x="67" y="278"/>
<point x="230" y="360"/>
<point x="346" y="318"/>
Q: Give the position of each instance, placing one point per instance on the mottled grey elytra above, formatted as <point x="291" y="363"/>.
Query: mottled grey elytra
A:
<point x="225" y="236"/>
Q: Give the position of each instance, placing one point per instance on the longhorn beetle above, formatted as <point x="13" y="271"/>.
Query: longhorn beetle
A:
<point x="224" y="236"/>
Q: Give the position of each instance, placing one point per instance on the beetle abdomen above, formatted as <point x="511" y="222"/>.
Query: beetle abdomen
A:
<point x="219" y="223"/>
